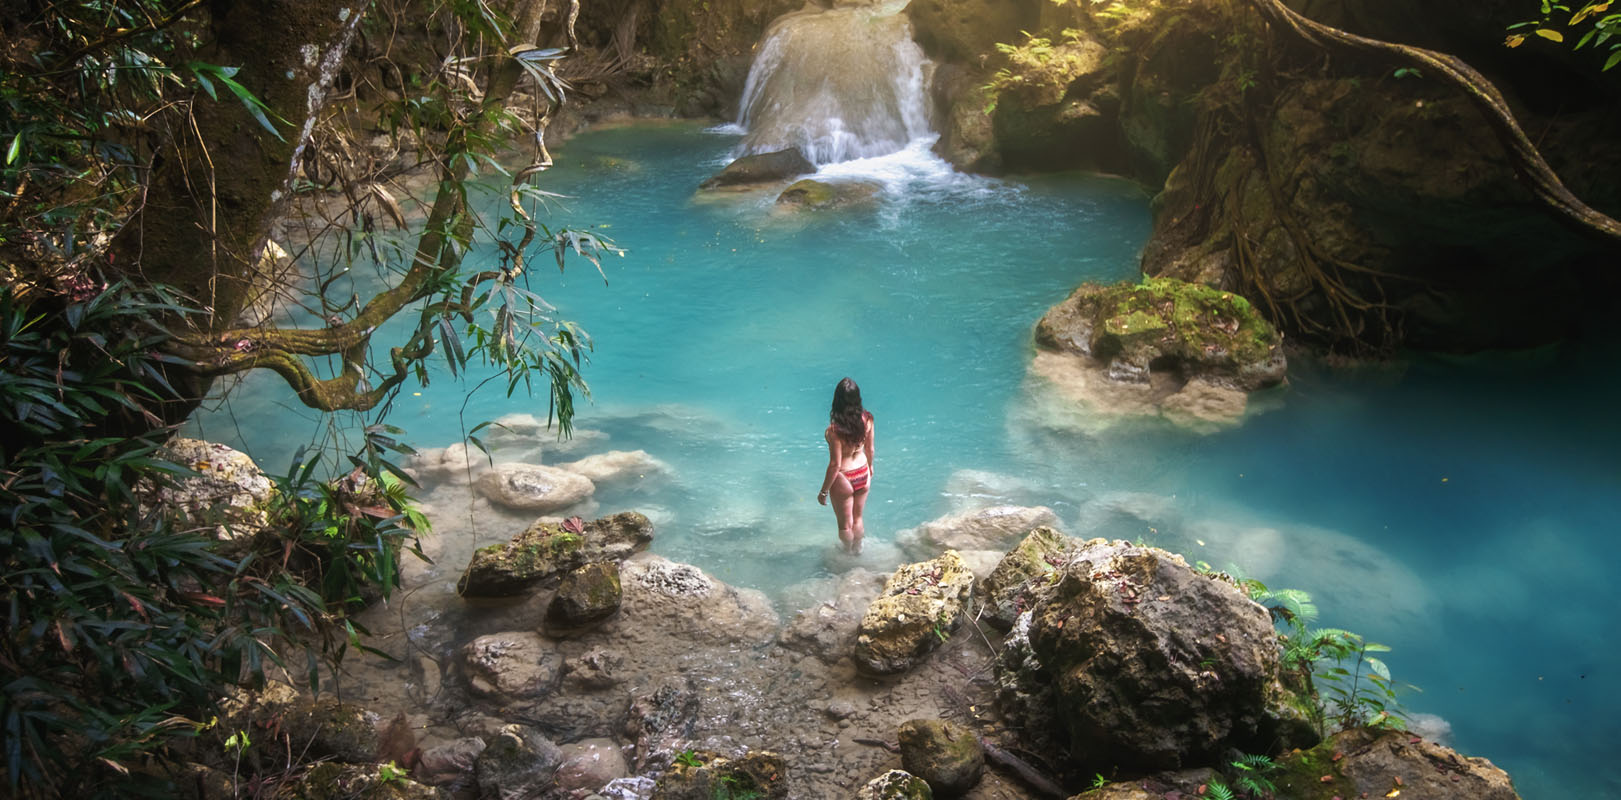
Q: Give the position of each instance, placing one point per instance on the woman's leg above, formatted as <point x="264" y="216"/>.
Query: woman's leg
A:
<point x="858" y="529"/>
<point x="841" y="497"/>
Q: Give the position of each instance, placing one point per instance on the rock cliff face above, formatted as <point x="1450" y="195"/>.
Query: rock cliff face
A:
<point x="1359" y="211"/>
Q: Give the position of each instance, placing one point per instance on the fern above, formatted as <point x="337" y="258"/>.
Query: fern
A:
<point x="1216" y="790"/>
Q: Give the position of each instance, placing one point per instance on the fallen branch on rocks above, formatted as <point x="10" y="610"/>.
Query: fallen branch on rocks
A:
<point x="1022" y="769"/>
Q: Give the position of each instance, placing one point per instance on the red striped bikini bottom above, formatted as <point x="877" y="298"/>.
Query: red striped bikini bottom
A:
<point x="858" y="477"/>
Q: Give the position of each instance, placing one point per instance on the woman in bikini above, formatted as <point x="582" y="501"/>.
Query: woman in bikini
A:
<point x="849" y="463"/>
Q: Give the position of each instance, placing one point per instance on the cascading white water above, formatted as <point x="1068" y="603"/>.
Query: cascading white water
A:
<point x="840" y="84"/>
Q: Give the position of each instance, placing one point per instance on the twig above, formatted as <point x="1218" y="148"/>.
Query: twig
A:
<point x="1022" y="769"/>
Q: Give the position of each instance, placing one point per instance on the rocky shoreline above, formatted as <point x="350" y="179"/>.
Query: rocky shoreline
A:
<point x="575" y="664"/>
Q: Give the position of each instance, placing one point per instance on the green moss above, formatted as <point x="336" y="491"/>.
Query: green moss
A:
<point x="1300" y="775"/>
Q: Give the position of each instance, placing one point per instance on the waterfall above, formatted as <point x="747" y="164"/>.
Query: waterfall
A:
<point x="839" y="84"/>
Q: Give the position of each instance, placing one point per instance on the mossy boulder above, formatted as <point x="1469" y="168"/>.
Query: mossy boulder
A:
<point x="896" y="784"/>
<point x="547" y="549"/>
<point x="946" y="755"/>
<point x="1371" y="762"/>
<point x="1007" y="592"/>
<point x="1167" y="325"/>
<point x="586" y="596"/>
<point x="810" y="194"/>
<point x="1148" y="665"/>
<point x="752" y="171"/>
<point x="920" y="605"/>
<point x="706" y="775"/>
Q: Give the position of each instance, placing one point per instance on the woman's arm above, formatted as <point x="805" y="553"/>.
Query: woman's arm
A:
<point x="867" y="446"/>
<point x="833" y="461"/>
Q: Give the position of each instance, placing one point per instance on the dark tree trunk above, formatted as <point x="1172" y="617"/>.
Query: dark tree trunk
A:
<point x="219" y="179"/>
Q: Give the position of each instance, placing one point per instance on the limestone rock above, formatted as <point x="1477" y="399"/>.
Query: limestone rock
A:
<point x="1154" y="666"/>
<point x="660" y="721"/>
<point x="753" y="170"/>
<point x="457" y="463"/>
<point x="895" y="784"/>
<point x="921" y="604"/>
<point x="680" y="600"/>
<point x="616" y="466"/>
<point x="510" y="666"/>
<point x="229" y="492"/>
<point x="1006" y="592"/>
<point x="587" y="595"/>
<point x="991" y="528"/>
<point x="827" y="630"/>
<point x="546" y="549"/>
<point x="761" y="774"/>
<point x="449" y="763"/>
<point x="1167" y="325"/>
<point x="1378" y="762"/>
<point x="590" y="764"/>
<point x="946" y="755"/>
<point x="809" y="194"/>
<point x="532" y="487"/>
<point x="519" y="764"/>
<point x="593" y="670"/>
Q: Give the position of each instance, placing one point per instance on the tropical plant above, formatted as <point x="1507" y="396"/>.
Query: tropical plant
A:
<point x="1355" y="689"/>
<point x="122" y="622"/>
<point x="1558" y="22"/>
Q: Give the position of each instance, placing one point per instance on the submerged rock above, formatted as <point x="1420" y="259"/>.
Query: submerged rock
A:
<point x="510" y="666"/>
<point x="920" y="606"/>
<point x="519" y="763"/>
<point x="449" y="763"/>
<point x="1368" y="762"/>
<point x="670" y="599"/>
<point x="705" y="775"/>
<point x="991" y="528"/>
<point x="587" y="595"/>
<point x="1152" y="665"/>
<point x="546" y="549"/>
<point x="753" y="170"/>
<point x="946" y="755"/>
<point x="590" y="764"/>
<point x="615" y="466"/>
<point x="814" y="194"/>
<point x="895" y="784"/>
<point x="661" y="721"/>
<point x="532" y="487"/>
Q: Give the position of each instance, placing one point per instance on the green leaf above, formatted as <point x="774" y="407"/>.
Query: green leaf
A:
<point x="1615" y="58"/>
<point x="15" y="149"/>
<point x="1550" y="34"/>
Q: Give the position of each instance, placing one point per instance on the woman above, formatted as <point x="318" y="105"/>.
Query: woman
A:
<point x="849" y="463"/>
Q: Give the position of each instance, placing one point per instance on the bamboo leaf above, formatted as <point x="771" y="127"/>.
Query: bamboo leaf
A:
<point x="1550" y="34"/>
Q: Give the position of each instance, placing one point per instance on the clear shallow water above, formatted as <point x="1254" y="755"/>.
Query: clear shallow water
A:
<point x="1456" y="510"/>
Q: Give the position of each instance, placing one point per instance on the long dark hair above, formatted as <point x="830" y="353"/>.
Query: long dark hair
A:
<point x="849" y="419"/>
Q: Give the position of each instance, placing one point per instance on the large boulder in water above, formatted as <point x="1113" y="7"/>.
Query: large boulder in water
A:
<point x="760" y="168"/>
<point x="532" y="487"/>
<point x="920" y="605"/>
<point x="511" y="666"/>
<point x="586" y="596"/>
<point x="1008" y="592"/>
<point x="810" y="194"/>
<point x="1149" y="665"/>
<point x="1369" y="762"/>
<point x="1167" y="325"/>
<point x="547" y="549"/>
<point x="992" y="528"/>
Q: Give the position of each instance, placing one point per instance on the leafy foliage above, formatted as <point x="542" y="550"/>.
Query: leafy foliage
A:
<point x="1598" y="25"/>
<point x="1349" y="685"/>
<point x="118" y="621"/>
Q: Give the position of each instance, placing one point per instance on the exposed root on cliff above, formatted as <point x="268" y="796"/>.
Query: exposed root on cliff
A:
<point x="1528" y="163"/>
